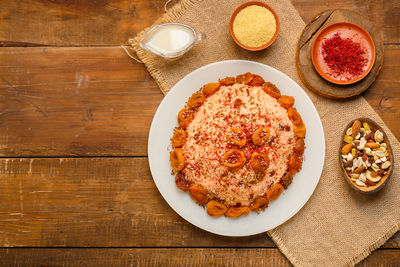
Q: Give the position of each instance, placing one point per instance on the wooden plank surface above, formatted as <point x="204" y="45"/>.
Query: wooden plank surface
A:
<point x="75" y="23"/>
<point x="67" y="202"/>
<point x="384" y="94"/>
<point x="166" y="257"/>
<point x="96" y="102"/>
<point x="146" y="257"/>
<point x="384" y="14"/>
<point x="109" y="22"/>
<point x="74" y="101"/>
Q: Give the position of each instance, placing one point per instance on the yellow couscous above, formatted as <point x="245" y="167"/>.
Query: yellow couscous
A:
<point x="254" y="26"/>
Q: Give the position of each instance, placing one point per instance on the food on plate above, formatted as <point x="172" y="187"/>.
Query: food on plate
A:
<point x="365" y="154"/>
<point x="198" y="194"/>
<point x="216" y="209"/>
<point x="178" y="139"/>
<point x="237" y="211"/>
<point x="274" y="192"/>
<point x="238" y="145"/>
<point x="254" y="26"/>
<point x="185" y="116"/>
<point x="177" y="159"/>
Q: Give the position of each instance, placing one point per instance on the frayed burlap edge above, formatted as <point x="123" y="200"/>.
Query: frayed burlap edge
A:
<point x="375" y="245"/>
<point x="176" y="11"/>
<point x="371" y="248"/>
<point x="278" y="242"/>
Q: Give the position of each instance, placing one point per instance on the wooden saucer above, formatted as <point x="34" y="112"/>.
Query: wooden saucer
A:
<point x="305" y="67"/>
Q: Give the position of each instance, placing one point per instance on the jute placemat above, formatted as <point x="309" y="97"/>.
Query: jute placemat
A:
<point x="337" y="226"/>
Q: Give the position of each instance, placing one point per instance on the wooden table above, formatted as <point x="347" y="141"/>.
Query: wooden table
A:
<point x="75" y="111"/>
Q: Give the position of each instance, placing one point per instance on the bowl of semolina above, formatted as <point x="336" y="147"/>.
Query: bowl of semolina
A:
<point x="254" y="26"/>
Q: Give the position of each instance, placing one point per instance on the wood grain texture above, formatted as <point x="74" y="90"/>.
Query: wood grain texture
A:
<point x="96" y="202"/>
<point x="97" y="102"/>
<point x="384" y="94"/>
<point x="67" y="202"/>
<point x="166" y="257"/>
<point x="74" y="101"/>
<point x="145" y="257"/>
<point x="384" y="14"/>
<point x="112" y="22"/>
<point x="75" y="22"/>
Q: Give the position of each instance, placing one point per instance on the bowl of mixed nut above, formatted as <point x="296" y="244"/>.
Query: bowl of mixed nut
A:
<point x="365" y="156"/>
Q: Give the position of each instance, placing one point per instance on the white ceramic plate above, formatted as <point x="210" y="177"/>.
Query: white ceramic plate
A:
<point x="280" y="210"/>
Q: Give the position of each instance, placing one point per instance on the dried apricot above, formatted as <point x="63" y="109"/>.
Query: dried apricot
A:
<point x="196" y="100"/>
<point x="300" y="130"/>
<point x="216" y="209"/>
<point x="257" y="80"/>
<point x="248" y="77"/>
<point x="244" y="78"/>
<point x="295" y="162"/>
<point x="272" y="90"/>
<point x="299" y="146"/>
<point x="234" y="158"/>
<point x="178" y="139"/>
<point x="259" y="162"/>
<point x="198" y="194"/>
<point x="227" y="81"/>
<point x="240" y="78"/>
<point x="286" y="101"/>
<point x="287" y="179"/>
<point x="235" y="212"/>
<point x="210" y="88"/>
<point x="294" y="116"/>
<point x="177" y="159"/>
<point x="236" y="137"/>
<point x="260" y="136"/>
<point x="274" y="192"/>
<point x="181" y="182"/>
<point x="185" y="116"/>
<point x="259" y="203"/>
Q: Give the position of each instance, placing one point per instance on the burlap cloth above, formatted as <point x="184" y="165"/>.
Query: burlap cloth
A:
<point x="337" y="226"/>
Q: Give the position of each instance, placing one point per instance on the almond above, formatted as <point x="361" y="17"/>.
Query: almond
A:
<point x="372" y="145"/>
<point x="346" y="149"/>
<point x="355" y="129"/>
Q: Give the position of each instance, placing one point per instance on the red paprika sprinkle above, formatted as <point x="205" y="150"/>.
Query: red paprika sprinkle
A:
<point x="343" y="56"/>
